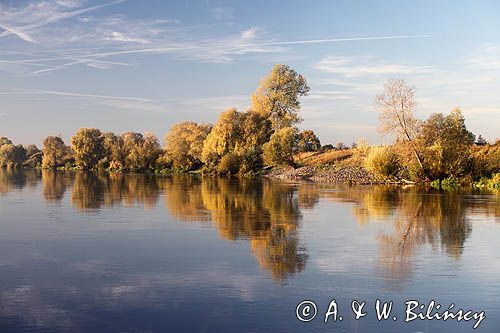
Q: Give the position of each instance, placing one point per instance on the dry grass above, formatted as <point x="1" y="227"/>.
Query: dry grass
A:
<point x="317" y="158"/>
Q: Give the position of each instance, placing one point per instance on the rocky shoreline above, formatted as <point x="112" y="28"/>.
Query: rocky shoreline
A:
<point x="327" y="174"/>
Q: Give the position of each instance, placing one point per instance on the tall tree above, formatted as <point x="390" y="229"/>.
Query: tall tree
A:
<point x="396" y="107"/>
<point x="277" y="97"/>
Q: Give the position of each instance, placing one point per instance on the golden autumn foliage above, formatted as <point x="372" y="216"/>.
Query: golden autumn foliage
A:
<point x="87" y="145"/>
<point x="281" y="147"/>
<point x="383" y="162"/>
<point x="55" y="152"/>
<point x="445" y="143"/>
<point x="184" y="144"/>
<point x="247" y="143"/>
<point x="240" y="134"/>
<point x="277" y="97"/>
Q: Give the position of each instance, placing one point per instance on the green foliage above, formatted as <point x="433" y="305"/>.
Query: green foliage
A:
<point x="88" y="149"/>
<point x="494" y="182"/>
<point x="308" y="141"/>
<point x="447" y="183"/>
<point x="281" y="147"/>
<point x="382" y="162"/>
<point x="277" y="97"/>
<point x="184" y="145"/>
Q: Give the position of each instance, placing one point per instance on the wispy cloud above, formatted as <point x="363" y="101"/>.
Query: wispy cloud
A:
<point x="219" y="50"/>
<point x="488" y="58"/>
<point x="360" y="66"/>
<point x="12" y="30"/>
<point x="337" y="40"/>
<point x="134" y="105"/>
<point x="322" y="95"/>
<point x="73" y="94"/>
<point x="19" y="22"/>
<point x="120" y="37"/>
<point x="116" y="35"/>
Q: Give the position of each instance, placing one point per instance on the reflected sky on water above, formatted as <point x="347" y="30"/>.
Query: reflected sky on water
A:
<point x="139" y="253"/>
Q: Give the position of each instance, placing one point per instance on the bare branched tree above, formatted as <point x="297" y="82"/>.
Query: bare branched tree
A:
<point x="396" y="108"/>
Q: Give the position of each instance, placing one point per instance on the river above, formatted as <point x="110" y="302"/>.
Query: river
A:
<point x="83" y="252"/>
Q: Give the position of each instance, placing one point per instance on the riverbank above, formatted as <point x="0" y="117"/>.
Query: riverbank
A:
<point x="325" y="174"/>
<point x="358" y="175"/>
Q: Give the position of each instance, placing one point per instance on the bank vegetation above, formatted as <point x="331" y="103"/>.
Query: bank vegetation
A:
<point x="265" y="139"/>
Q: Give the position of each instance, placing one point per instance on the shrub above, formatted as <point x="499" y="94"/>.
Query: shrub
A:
<point x="383" y="162"/>
<point x="250" y="161"/>
<point x="281" y="147"/>
<point x="494" y="182"/>
<point x="228" y="165"/>
<point x="485" y="160"/>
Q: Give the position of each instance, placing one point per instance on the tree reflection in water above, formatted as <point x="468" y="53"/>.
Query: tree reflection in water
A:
<point x="418" y="217"/>
<point x="263" y="212"/>
<point x="268" y="213"/>
<point x="17" y="179"/>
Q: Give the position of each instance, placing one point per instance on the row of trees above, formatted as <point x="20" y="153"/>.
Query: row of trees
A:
<point x="18" y="155"/>
<point x="239" y="142"/>
<point x="267" y="135"/>
<point x="92" y="149"/>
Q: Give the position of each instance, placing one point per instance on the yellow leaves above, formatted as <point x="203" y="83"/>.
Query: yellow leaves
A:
<point x="238" y="133"/>
<point x="382" y="161"/>
<point x="184" y="144"/>
<point x="281" y="147"/>
<point x="277" y="97"/>
<point x="87" y="146"/>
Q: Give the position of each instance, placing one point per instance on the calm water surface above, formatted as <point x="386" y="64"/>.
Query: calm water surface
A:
<point x="132" y="253"/>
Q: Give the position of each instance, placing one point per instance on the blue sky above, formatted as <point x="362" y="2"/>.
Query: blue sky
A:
<point x="145" y="65"/>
